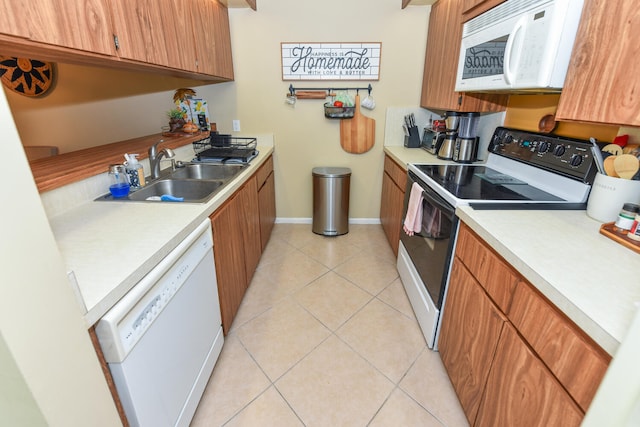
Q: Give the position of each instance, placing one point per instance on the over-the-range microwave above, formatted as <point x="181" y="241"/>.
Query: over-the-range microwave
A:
<point x="519" y="45"/>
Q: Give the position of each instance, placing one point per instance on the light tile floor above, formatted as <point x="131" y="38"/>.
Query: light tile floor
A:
<point x="325" y="336"/>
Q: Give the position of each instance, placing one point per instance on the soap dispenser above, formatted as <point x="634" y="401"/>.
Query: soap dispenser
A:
<point x="118" y="181"/>
<point x="134" y="170"/>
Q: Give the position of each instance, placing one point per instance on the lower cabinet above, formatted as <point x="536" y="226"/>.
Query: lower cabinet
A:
<point x="521" y="391"/>
<point x="394" y="181"/>
<point x="250" y="213"/>
<point x="471" y="327"/>
<point x="266" y="200"/>
<point x="238" y="242"/>
<point x="228" y="246"/>
<point x="513" y="358"/>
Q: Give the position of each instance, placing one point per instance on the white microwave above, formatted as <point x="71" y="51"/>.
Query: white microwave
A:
<point x="519" y="45"/>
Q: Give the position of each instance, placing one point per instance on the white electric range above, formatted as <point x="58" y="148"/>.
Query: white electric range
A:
<point x="524" y="170"/>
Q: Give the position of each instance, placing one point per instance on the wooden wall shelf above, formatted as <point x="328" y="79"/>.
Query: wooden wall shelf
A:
<point x="54" y="172"/>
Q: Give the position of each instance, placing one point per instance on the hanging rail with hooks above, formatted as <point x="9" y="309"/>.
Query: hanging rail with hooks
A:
<point x="321" y="92"/>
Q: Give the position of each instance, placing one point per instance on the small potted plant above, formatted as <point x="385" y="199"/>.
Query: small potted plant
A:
<point x="176" y="119"/>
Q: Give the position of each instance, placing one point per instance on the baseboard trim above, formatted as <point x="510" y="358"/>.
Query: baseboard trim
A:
<point x="309" y="220"/>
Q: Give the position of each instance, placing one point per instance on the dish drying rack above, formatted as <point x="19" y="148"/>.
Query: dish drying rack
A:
<point x="225" y="147"/>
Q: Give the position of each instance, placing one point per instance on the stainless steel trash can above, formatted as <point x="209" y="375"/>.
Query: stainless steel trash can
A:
<point x="331" y="200"/>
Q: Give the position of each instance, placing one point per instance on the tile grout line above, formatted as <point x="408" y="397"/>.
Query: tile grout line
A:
<point x="292" y="296"/>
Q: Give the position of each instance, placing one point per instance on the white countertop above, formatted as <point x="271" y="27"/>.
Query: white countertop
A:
<point x="592" y="279"/>
<point x="110" y="246"/>
<point x="403" y="156"/>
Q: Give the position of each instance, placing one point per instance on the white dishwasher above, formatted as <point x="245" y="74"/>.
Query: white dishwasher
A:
<point x="162" y="339"/>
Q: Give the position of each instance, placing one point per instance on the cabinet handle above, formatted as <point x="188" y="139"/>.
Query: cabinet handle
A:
<point x="116" y="42"/>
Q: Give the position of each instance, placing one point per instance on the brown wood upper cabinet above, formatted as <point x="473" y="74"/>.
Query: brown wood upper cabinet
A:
<point x="8" y="24"/>
<point x="155" y="31"/>
<point x="83" y="25"/>
<point x="473" y="8"/>
<point x="187" y="35"/>
<point x="187" y="38"/>
<point x="602" y="84"/>
<point x="213" y="39"/>
<point x="441" y="64"/>
<point x="406" y="3"/>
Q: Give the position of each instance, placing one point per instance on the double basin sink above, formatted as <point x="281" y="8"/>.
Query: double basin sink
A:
<point x="192" y="183"/>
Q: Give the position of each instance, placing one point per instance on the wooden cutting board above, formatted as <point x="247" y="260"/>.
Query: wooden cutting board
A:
<point x="358" y="134"/>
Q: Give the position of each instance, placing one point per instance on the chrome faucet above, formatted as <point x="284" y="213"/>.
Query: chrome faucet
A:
<point x="155" y="156"/>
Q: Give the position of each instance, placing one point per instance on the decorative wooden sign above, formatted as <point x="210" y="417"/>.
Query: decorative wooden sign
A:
<point x="331" y="61"/>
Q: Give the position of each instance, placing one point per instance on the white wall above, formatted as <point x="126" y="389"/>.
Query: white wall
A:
<point x="304" y="138"/>
<point x="50" y="371"/>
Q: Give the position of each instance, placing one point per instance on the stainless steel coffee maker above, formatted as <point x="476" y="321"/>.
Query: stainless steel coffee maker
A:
<point x="447" y="147"/>
<point x="466" y="144"/>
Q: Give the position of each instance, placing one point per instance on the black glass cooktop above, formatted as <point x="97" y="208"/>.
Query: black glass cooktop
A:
<point x="470" y="182"/>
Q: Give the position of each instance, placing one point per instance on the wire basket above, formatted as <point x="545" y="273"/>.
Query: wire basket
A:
<point x="225" y="146"/>
<point x="332" y="112"/>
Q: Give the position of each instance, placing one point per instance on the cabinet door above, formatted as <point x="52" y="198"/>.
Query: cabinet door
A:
<point x="441" y="64"/>
<point x="10" y="24"/>
<point x="155" y="31"/>
<point x="250" y="229"/>
<point x="441" y="58"/>
<point x="213" y="38"/>
<point x="267" y="205"/>
<point x="576" y="360"/>
<point x="522" y="392"/>
<point x="493" y="274"/>
<point x="391" y="206"/>
<point x="471" y="327"/>
<point x="84" y="25"/>
<point x="602" y="84"/>
<point x="228" y="249"/>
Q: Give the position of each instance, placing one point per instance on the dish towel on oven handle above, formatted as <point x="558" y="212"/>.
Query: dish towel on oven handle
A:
<point x="413" y="219"/>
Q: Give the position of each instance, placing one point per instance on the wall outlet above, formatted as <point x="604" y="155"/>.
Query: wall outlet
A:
<point x="236" y="125"/>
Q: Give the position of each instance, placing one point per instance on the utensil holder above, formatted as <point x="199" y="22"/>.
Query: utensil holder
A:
<point x="413" y="139"/>
<point x="608" y="194"/>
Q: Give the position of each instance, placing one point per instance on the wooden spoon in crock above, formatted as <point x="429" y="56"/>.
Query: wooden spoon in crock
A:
<point x="626" y="165"/>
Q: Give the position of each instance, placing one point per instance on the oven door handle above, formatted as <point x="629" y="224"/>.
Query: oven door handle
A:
<point x="435" y="199"/>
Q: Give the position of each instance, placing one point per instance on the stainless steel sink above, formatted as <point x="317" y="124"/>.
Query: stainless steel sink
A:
<point x="207" y="171"/>
<point x="193" y="183"/>
<point x="189" y="190"/>
<point x="195" y="191"/>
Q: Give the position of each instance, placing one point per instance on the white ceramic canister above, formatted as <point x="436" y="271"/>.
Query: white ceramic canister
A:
<point x="609" y="194"/>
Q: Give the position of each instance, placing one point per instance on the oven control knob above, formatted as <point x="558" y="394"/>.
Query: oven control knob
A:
<point x="543" y="147"/>
<point x="559" y="150"/>
<point x="508" y="139"/>
<point x="575" y="160"/>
